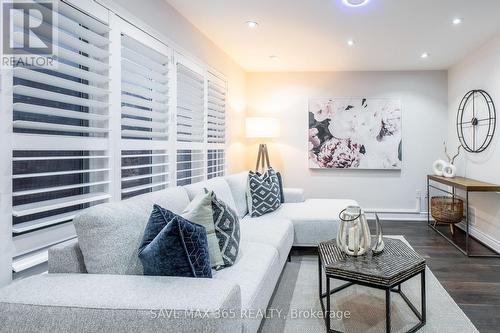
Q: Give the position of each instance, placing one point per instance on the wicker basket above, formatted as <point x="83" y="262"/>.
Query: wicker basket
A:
<point x="447" y="209"/>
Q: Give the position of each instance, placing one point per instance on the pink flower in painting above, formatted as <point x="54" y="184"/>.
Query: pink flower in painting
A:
<point x="313" y="138"/>
<point x="339" y="154"/>
<point x="322" y="111"/>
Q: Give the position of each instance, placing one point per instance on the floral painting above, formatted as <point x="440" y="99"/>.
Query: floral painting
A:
<point x="355" y="133"/>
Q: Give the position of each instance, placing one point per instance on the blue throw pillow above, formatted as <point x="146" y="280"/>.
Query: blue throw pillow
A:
<point x="174" y="246"/>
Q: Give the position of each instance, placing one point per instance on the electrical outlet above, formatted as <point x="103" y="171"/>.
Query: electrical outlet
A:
<point x="419" y="193"/>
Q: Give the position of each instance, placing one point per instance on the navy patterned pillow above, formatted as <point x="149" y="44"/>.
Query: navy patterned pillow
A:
<point x="173" y="246"/>
<point x="263" y="193"/>
<point x="227" y="230"/>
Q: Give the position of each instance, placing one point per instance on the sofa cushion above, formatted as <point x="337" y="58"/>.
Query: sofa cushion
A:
<point x="276" y="232"/>
<point x="227" y="229"/>
<point x="238" y="185"/>
<point x="314" y="220"/>
<point x="116" y="303"/>
<point x="109" y="235"/>
<point x="263" y="193"/>
<point x="200" y="211"/>
<point x="218" y="185"/>
<point x="256" y="271"/>
<point x="173" y="246"/>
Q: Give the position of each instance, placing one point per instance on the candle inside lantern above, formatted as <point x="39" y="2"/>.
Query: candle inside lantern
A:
<point x="353" y="242"/>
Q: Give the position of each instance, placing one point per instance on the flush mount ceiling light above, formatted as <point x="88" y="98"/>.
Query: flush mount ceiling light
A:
<point x="457" y="21"/>
<point x="350" y="42"/>
<point x="424" y="55"/>
<point x="355" y="3"/>
<point x="252" y="24"/>
<point x="274" y="57"/>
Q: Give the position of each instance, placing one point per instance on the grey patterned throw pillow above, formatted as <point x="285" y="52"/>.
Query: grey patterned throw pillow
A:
<point x="263" y="192"/>
<point x="227" y="230"/>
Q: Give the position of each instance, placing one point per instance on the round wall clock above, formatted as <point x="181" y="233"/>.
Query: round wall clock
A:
<point x="476" y="121"/>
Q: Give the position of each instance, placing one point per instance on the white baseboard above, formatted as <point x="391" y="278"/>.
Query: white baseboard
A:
<point x="397" y="216"/>
<point x="482" y="237"/>
<point x="422" y="217"/>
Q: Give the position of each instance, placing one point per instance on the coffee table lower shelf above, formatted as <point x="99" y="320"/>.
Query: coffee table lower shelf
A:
<point x="395" y="289"/>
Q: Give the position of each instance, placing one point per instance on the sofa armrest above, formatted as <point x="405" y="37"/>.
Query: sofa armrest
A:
<point x="66" y="257"/>
<point x="293" y="195"/>
<point x="120" y="303"/>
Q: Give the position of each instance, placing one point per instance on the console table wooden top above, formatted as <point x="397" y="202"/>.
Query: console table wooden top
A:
<point x="467" y="184"/>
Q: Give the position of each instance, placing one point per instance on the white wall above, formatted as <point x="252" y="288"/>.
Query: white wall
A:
<point x="161" y="17"/>
<point x="424" y="101"/>
<point x="480" y="70"/>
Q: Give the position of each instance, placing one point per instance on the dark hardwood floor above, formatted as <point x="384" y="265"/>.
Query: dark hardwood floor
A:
<point x="474" y="283"/>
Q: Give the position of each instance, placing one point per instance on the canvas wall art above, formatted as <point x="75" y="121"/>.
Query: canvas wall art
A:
<point x="355" y="133"/>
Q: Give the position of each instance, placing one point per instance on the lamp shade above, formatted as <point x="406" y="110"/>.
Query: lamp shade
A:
<point x="262" y="127"/>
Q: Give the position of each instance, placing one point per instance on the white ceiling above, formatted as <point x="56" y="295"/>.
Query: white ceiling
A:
<point x="311" y="35"/>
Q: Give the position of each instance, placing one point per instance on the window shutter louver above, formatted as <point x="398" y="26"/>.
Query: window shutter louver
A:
<point x="190" y="166"/>
<point x="60" y="161"/>
<point x="216" y="125"/>
<point x="216" y="114"/>
<point x="190" y="105"/>
<point x="144" y="91"/>
<point x="145" y="118"/>
<point x="190" y="124"/>
<point x="216" y="159"/>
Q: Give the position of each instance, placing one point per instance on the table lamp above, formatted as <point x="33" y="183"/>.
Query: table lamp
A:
<point x="262" y="128"/>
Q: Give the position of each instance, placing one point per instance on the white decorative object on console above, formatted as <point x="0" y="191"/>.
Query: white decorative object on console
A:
<point x="438" y="167"/>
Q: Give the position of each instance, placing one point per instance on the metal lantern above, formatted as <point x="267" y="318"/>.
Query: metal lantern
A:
<point x="354" y="237"/>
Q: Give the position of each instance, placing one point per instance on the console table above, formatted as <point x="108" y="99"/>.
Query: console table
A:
<point x="467" y="185"/>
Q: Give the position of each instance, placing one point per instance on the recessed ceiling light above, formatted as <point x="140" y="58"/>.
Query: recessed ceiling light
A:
<point x="273" y="57"/>
<point x="355" y="3"/>
<point x="457" y="21"/>
<point x="424" y="55"/>
<point x="350" y="42"/>
<point x="252" y="24"/>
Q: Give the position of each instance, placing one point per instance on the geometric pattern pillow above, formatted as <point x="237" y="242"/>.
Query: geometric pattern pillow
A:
<point x="173" y="246"/>
<point x="200" y="211"/>
<point x="227" y="229"/>
<point x="280" y="180"/>
<point x="263" y="192"/>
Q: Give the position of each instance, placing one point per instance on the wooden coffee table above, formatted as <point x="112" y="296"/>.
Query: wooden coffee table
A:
<point x="386" y="271"/>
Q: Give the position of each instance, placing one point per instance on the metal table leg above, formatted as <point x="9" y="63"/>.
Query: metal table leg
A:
<point x="388" y="310"/>
<point x="327" y="312"/>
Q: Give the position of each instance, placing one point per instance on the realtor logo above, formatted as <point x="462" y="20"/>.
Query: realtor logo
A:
<point x="28" y="32"/>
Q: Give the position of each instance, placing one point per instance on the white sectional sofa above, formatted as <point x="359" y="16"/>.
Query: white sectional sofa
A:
<point x="68" y="299"/>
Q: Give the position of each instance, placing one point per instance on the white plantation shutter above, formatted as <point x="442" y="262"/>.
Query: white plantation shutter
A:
<point x="190" y="166"/>
<point x="190" y="105"/>
<point x="216" y="114"/>
<point x="144" y="91"/>
<point x="67" y="150"/>
<point x="190" y="122"/>
<point x="216" y="125"/>
<point x="216" y="159"/>
<point x="143" y="171"/>
<point x="60" y="162"/>
<point x="145" y="115"/>
<point x="71" y="98"/>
